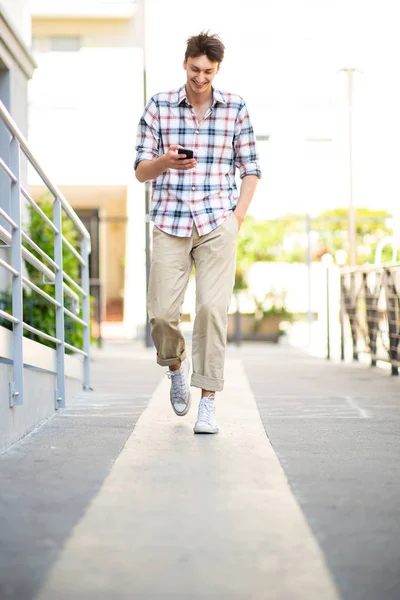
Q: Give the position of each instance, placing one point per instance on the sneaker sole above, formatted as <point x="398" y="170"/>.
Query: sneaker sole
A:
<point x="200" y="429"/>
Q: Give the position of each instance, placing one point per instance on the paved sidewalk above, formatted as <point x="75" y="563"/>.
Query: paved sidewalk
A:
<point x="115" y="498"/>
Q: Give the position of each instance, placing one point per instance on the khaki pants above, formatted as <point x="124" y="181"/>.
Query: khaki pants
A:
<point x="214" y="258"/>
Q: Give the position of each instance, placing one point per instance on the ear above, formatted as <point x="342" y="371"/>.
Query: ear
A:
<point x="185" y="64"/>
<point x="219" y="64"/>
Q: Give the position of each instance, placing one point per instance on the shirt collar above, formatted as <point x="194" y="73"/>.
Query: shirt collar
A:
<point x="217" y="96"/>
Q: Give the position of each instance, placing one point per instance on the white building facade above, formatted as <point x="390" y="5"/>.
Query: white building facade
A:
<point x="16" y="69"/>
<point x="85" y="99"/>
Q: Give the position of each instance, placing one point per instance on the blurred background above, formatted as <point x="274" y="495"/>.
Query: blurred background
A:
<point x="321" y="82"/>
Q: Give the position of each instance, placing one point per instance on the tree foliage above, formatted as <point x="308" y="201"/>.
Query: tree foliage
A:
<point x="285" y="239"/>
<point x="38" y="312"/>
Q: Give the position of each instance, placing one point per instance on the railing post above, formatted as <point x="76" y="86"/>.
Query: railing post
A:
<point x="59" y="295"/>
<point x="328" y="310"/>
<point x="237" y="322"/>
<point x="393" y="318"/>
<point x="16" y="387"/>
<point x="309" y="279"/>
<point x="350" y="306"/>
<point x="86" y="312"/>
<point x="341" y="316"/>
<point x="371" y="310"/>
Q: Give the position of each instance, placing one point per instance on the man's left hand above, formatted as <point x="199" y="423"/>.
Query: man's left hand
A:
<point x="239" y="219"/>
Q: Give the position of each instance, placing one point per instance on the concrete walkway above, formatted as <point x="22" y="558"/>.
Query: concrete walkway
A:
<point x="176" y="515"/>
<point x="185" y="516"/>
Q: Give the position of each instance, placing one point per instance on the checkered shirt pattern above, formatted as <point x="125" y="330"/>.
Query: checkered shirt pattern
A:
<point x="223" y="141"/>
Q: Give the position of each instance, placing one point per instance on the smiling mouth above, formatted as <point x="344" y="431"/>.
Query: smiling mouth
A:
<point x="199" y="85"/>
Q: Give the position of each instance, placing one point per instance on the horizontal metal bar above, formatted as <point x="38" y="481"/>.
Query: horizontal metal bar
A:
<point x="383" y="359"/>
<point x="7" y="169"/>
<point x="8" y="317"/>
<point x="15" y="132"/>
<point x="369" y="268"/>
<point x="73" y="250"/>
<point x="74" y="284"/>
<point x="39" y="211"/>
<point x="7" y="218"/>
<point x="35" y="262"/>
<point x="4" y="264"/>
<point x="41" y="334"/>
<point x="71" y="293"/>
<point x="75" y="318"/>
<point x="74" y="349"/>
<point x="40" y="251"/>
<point x="40" y="292"/>
<point x="380" y="323"/>
<point x="375" y="320"/>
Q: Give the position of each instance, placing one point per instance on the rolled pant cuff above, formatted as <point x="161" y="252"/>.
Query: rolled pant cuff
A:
<point x="207" y="383"/>
<point x="167" y="362"/>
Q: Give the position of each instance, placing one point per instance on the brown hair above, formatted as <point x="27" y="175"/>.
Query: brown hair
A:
<point x="204" y="43"/>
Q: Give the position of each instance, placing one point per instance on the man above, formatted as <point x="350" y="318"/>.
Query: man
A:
<point x="197" y="215"/>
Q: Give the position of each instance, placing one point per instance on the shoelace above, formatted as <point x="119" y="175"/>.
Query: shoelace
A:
<point x="206" y="410"/>
<point x="178" y="384"/>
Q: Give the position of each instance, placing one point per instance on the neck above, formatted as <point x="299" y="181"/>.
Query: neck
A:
<point x="199" y="99"/>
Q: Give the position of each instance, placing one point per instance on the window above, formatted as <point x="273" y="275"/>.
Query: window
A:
<point x="65" y="43"/>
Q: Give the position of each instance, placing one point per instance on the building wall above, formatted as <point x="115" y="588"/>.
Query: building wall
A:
<point x="110" y="9"/>
<point x="111" y="202"/>
<point x="84" y="103"/>
<point x="85" y="106"/>
<point x="19" y="13"/>
<point x="39" y="387"/>
<point x="16" y="67"/>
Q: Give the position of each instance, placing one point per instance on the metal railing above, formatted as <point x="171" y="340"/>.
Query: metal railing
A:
<point x="370" y="312"/>
<point x="14" y="237"/>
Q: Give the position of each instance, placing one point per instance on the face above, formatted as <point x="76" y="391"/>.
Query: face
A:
<point x="200" y="73"/>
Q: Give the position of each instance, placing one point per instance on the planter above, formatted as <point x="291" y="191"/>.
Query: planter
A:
<point x="267" y="329"/>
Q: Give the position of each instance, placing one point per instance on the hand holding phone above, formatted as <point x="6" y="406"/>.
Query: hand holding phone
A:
<point x="189" y="153"/>
<point x="177" y="158"/>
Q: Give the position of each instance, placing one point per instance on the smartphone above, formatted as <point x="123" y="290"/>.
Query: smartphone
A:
<point x="189" y="153"/>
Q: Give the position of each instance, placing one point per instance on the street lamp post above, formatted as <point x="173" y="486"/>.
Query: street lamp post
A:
<point x="352" y="214"/>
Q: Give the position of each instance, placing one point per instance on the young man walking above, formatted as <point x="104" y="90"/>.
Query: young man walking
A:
<point x="197" y="214"/>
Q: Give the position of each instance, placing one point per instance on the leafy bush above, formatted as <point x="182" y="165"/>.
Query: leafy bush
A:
<point x="38" y="312"/>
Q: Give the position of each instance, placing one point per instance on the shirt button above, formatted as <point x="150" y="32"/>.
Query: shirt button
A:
<point x="197" y="131"/>
<point x="193" y="188"/>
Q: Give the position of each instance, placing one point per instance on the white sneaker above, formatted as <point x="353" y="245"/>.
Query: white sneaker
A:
<point x="206" y="422"/>
<point x="180" y="395"/>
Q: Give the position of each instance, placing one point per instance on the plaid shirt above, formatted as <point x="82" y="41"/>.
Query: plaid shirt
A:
<point x="222" y="141"/>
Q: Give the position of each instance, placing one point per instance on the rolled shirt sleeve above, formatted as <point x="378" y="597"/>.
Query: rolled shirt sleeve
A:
<point x="246" y="157"/>
<point x="148" y="134"/>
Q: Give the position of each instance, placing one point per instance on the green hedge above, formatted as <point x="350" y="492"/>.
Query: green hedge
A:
<point x="38" y="312"/>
